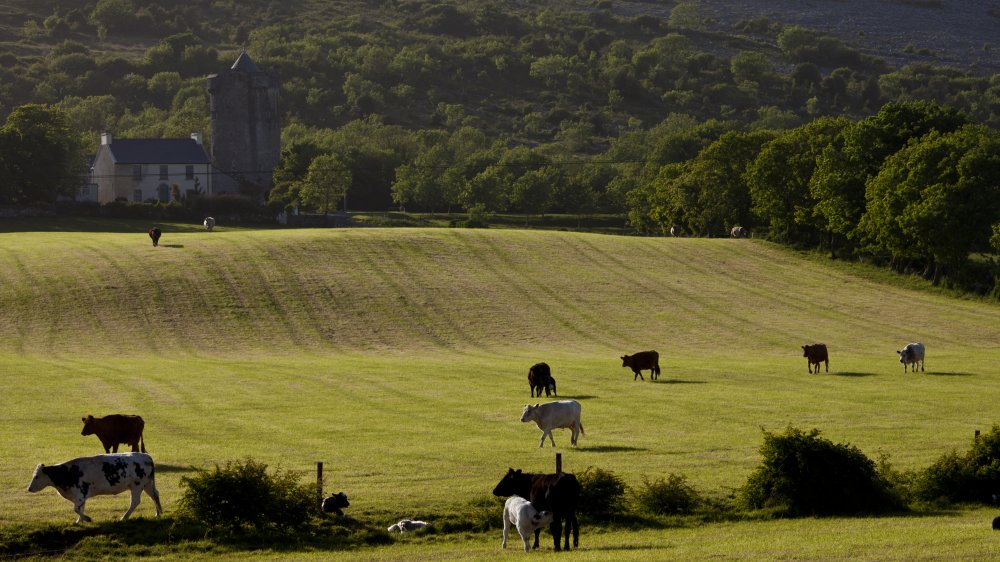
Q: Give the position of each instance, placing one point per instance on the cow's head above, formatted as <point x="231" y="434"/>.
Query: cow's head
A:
<point x="626" y="360"/>
<point x="541" y="518"/>
<point x="39" y="480"/>
<point x="904" y="355"/>
<point x="510" y="484"/>
<point x="88" y="426"/>
<point x="528" y="413"/>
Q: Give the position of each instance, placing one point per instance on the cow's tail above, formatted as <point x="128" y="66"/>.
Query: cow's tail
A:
<point x="142" y="445"/>
<point x="582" y="432"/>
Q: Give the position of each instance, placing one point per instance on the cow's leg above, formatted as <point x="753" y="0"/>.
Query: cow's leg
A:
<point x="537" y="532"/>
<point x="541" y="442"/>
<point x="78" y="508"/>
<point x="552" y="439"/>
<point x="136" y="492"/>
<point x="569" y="525"/>
<point x="576" y="530"/>
<point x="556" y="529"/>
<point x="827" y="366"/>
<point x="152" y="492"/>
<point x="115" y="448"/>
<point x="506" y="529"/>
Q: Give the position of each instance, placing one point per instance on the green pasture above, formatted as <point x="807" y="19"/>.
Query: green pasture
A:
<point x="398" y="358"/>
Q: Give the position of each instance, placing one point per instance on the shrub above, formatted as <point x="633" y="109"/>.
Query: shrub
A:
<point x="804" y="474"/>
<point x="670" y="496"/>
<point x="602" y="495"/>
<point x="974" y="476"/>
<point x="242" y="496"/>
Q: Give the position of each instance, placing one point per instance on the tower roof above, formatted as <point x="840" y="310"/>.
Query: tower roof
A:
<point x="245" y="64"/>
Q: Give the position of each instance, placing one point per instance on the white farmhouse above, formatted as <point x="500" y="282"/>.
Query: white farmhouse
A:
<point x="142" y="169"/>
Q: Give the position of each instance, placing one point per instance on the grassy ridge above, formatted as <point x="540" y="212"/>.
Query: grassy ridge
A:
<point x="399" y="357"/>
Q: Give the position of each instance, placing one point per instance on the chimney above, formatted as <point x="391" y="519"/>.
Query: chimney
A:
<point x="196" y="137"/>
<point x="105" y="139"/>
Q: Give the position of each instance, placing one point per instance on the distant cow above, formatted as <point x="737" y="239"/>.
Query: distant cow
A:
<point x="82" y="478"/>
<point x="676" y="230"/>
<point x="519" y="513"/>
<point x="209" y="223"/>
<point x="558" y="493"/>
<point x="335" y="503"/>
<point x="555" y="415"/>
<point x="996" y="523"/>
<point x="115" y="429"/>
<point x="738" y="232"/>
<point x="643" y="360"/>
<point x="540" y="377"/>
<point x="816" y="354"/>
<point x="154" y="234"/>
<point x="912" y="354"/>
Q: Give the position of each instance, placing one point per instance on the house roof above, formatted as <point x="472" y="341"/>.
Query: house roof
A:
<point x="158" y="151"/>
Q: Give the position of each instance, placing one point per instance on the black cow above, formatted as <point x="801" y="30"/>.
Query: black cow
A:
<point x="154" y="234"/>
<point x="540" y="377"/>
<point x="558" y="493"/>
<point x="336" y="503"/>
<point x="643" y="360"/>
<point x="816" y="354"/>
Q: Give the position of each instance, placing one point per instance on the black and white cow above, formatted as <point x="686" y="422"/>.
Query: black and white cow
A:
<point x="81" y="478"/>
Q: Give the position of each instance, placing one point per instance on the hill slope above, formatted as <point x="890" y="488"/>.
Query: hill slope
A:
<point x="376" y="290"/>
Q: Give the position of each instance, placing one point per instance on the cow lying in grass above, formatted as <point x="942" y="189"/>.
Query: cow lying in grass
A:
<point x="407" y="525"/>
<point x="518" y="512"/>
<point x="82" y="478"/>
<point x="335" y="503"/>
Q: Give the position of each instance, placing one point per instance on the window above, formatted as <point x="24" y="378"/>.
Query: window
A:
<point x="189" y="172"/>
<point x="163" y="172"/>
<point x="137" y="172"/>
<point x="137" y="196"/>
<point x="163" y="193"/>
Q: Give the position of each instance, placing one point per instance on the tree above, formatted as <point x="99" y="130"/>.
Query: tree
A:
<point x="112" y="16"/>
<point x="40" y="156"/>
<point x="326" y="183"/>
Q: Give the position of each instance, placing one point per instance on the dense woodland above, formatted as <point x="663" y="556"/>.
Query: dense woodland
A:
<point x="656" y="113"/>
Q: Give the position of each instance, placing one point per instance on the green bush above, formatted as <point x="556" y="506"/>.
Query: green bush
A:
<point x="670" y="496"/>
<point x="973" y="477"/>
<point x="602" y="495"/>
<point x="804" y="474"/>
<point x="242" y="497"/>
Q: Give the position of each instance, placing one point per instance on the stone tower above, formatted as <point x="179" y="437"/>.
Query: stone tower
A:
<point x="246" y="129"/>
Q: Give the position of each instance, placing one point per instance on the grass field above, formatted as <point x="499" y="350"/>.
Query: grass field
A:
<point x="398" y="357"/>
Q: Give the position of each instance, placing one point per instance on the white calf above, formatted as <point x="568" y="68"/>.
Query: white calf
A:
<point x="519" y="512"/>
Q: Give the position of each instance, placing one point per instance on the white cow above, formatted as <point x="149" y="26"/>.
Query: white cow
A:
<point x="911" y="355"/>
<point x="554" y="415"/>
<point x="81" y="478"/>
<point x="209" y="223"/>
<point x="519" y="512"/>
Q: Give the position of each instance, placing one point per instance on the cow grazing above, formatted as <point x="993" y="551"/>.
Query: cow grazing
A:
<point x="676" y="230"/>
<point x="738" y="232"/>
<point x="540" y="377"/>
<point x="82" y="478"/>
<point x="154" y="234"/>
<point x="519" y="513"/>
<point x="115" y="429"/>
<point x="555" y="415"/>
<point x="643" y="360"/>
<point x="335" y="503"/>
<point x="209" y="224"/>
<point x="407" y="525"/>
<point x="557" y="493"/>
<point x="816" y="354"/>
<point x="912" y="354"/>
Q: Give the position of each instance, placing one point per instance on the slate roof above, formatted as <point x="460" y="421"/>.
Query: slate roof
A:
<point x="245" y="64"/>
<point x="158" y="151"/>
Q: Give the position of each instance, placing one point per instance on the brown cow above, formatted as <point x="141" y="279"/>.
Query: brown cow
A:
<point x="154" y="234"/>
<point x="539" y="377"/>
<point x="816" y="354"/>
<point x="643" y="360"/>
<point x="115" y="429"/>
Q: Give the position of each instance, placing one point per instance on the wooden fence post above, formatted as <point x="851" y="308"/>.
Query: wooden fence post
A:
<point x="319" y="480"/>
